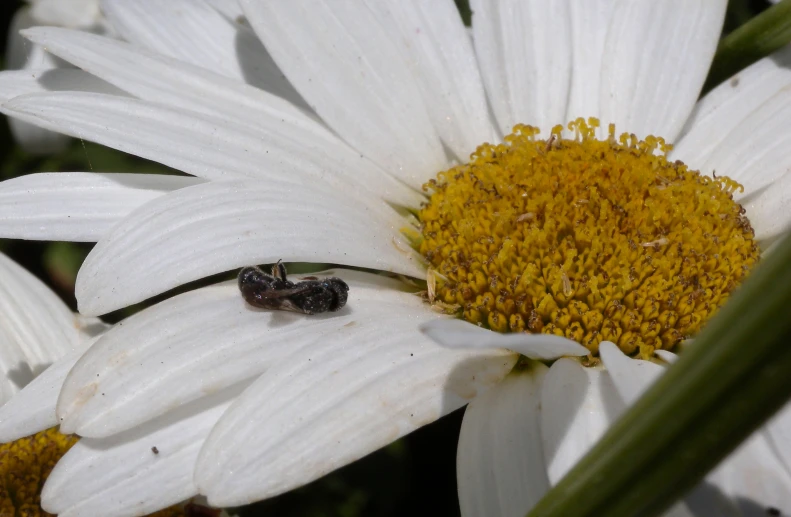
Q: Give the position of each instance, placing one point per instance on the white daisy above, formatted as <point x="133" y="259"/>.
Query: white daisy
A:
<point x="393" y="90"/>
<point x="36" y="329"/>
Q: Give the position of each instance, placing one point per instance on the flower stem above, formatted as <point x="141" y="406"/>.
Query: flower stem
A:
<point x="728" y="383"/>
<point x="756" y="39"/>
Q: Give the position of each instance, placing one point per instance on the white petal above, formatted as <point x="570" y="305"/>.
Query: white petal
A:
<point x="122" y="476"/>
<point x="656" y="57"/>
<point x="524" y="51"/>
<point x="33" y="408"/>
<point x="500" y="463"/>
<point x="331" y="402"/>
<point x="755" y="478"/>
<point x="589" y="22"/>
<point x="76" y="206"/>
<point x="758" y="151"/>
<point x="21" y="82"/>
<point x="706" y="500"/>
<point x="666" y="355"/>
<point x="198" y="34"/>
<point x="630" y="376"/>
<point x="455" y="333"/>
<point x="769" y="208"/>
<point x="440" y="55"/>
<point x="229" y="8"/>
<point x="90" y="327"/>
<point x="66" y="13"/>
<point x="36" y="327"/>
<point x="164" y="80"/>
<point x="204" y="145"/>
<point x="20" y="54"/>
<point x="354" y="77"/>
<point x="779" y="433"/>
<point x="578" y="404"/>
<point x="218" y="226"/>
<point x="197" y="343"/>
<point x="726" y="106"/>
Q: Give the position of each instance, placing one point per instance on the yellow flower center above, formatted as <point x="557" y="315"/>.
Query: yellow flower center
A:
<point x="25" y="465"/>
<point x="584" y="238"/>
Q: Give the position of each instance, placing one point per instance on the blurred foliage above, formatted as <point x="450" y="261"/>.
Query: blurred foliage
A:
<point x="757" y="37"/>
<point x="414" y="476"/>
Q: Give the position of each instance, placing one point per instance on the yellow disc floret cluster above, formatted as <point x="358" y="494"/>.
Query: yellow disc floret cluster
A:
<point x="25" y="465"/>
<point x="584" y="238"/>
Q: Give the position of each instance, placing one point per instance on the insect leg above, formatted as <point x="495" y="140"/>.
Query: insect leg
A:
<point x="279" y="271"/>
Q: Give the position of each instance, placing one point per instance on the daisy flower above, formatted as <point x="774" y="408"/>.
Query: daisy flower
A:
<point x="36" y="330"/>
<point x="355" y="134"/>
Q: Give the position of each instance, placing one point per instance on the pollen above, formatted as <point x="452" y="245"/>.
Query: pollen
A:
<point x="25" y="465"/>
<point x="591" y="239"/>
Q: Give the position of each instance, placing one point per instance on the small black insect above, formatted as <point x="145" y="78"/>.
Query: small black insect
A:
<point x="311" y="296"/>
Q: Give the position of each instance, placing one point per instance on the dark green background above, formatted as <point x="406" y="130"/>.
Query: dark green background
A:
<point x="414" y="476"/>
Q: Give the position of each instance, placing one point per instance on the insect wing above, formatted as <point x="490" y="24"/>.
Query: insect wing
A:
<point x="284" y="293"/>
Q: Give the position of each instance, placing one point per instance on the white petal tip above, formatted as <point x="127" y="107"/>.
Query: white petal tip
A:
<point x="609" y="349"/>
<point x="453" y="333"/>
<point x="666" y="355"/>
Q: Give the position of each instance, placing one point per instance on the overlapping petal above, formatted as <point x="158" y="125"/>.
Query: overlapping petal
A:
<point x="724" y="108"/>
<point x="36" y="327"/>
<point x="21" y="82"/>
<point x="332" y="401"/>
<point x="208" y="146"/>
<point x="197" y="343"/>
<point x="755" y="478"/>
<point x="347" y="69"/>
<point x="76" y="206"/>
<point x="21" y="55"/>
<point x="757" y="151"/>
<point x="33" y="408"/>
<point x="578" y="405"/>
<point x="220" y="226"/>
<point x="500" y="464"/>
<point x="199" y="34"/>
<point x="631" y="377"/>
<point x="455" y="333"/>
<point x="161" y="78"/>
<point x="142" y="470"/>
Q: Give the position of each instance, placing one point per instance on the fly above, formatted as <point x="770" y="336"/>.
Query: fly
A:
<point x="274" y="291"/>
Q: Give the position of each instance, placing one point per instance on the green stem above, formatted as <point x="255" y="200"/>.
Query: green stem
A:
<point x="756" y="39"/>
<point x="734" y="377"/>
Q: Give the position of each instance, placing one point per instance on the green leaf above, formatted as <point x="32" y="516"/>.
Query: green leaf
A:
<point x="725" y="385"/>
<point x="756" y="39"/>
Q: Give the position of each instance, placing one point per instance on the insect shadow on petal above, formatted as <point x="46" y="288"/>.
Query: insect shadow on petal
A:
<point x="275" y="291"/>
